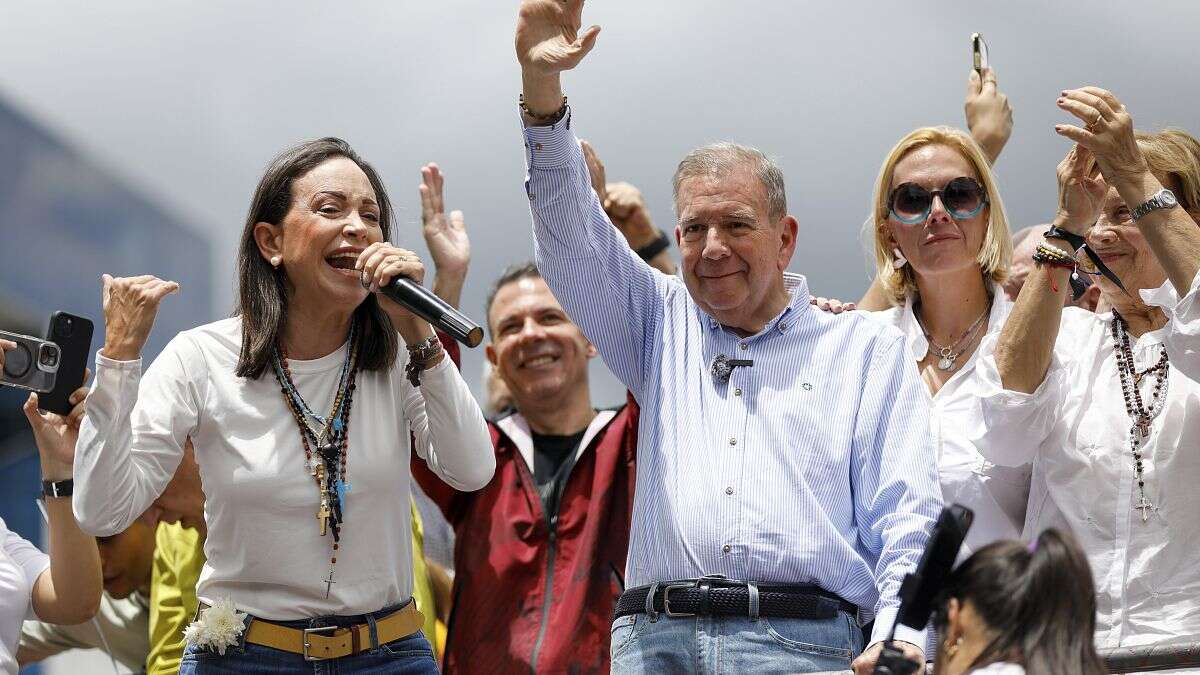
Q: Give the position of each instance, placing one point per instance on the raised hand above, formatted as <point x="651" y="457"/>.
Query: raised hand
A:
<point x="989" y="115"/>
<point x="130" y="306"/>
<point x="1080" y="191"/>
<point x="1107" y="134"/>
<point x="55" y="434"/>
<point x="627" y="210"/>
<point x="548" y="42"/>
<point x="446" y="237"/>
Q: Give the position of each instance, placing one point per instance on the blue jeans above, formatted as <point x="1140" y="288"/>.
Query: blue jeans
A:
<point x="410" y="655"/>
<point x="733" y="644"/>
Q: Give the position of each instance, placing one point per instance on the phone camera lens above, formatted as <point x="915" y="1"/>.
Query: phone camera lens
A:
<point x="66" y="326"/>
<point x="49" y="356"/>
<point x="17" y="361"/>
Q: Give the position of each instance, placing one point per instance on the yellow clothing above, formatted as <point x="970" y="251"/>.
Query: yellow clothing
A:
<point x="178" y="559"/>
<point x="422" y="588"/>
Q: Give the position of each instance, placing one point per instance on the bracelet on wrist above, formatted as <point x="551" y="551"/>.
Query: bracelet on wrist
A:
<point x="420" y="357"/>
<point x="542" y="119"/>
<point x="1052" y="256"/>
<point x="660" y="244"/>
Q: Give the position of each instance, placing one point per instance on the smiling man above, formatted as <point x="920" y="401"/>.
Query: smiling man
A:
<point x="785" y="479"/>
<point x="552" y="528"/>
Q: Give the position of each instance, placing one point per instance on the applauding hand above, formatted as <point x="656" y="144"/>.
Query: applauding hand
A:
<point x="1080" y="191"/>
<point x="1107" y="134"/>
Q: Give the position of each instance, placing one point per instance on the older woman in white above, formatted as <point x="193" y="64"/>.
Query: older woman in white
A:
<point x="1107" y="406"/>
<point x="942" y="248"/>
<point x="300" y="410"/>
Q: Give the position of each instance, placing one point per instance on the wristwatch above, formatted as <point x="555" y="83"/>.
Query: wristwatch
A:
<point x="58" y="488"/>
<point x="1163" y="199"/>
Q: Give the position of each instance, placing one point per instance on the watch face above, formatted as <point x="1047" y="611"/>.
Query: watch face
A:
<point x="1167" y="199"/>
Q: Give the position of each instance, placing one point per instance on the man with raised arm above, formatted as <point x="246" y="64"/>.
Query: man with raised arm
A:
<point x="785" y="478"/>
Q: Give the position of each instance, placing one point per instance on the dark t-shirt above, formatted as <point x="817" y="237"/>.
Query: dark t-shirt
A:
<point x="553" y="457"/>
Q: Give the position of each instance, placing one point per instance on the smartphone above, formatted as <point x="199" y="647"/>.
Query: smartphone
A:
<point x="32" y="365"/>
<point x="73" y="335"/>
<point x="979" y="52"/>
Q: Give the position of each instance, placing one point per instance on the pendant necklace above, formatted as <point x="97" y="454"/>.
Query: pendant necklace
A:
<point x="950" y="354"/>
<point x="1141" y="416"/>
<point x="325" y="447"/>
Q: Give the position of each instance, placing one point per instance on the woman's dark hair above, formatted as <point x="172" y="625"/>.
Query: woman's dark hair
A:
<point x="262" y="289"/>
<point x="1039" y="599"/>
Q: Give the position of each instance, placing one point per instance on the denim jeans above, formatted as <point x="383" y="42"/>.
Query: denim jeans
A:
<point x="410" y="655"/>
<point x="733" y="644"/>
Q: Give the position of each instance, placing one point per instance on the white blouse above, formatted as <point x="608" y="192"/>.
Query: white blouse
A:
<point x="1075" y="430"/>
<point x="997" y="494"/>
<point x="264" y="547"/>
<point x="21" y="563"/>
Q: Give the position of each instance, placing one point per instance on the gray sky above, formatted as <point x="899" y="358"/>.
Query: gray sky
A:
<point x="189" y="100"/>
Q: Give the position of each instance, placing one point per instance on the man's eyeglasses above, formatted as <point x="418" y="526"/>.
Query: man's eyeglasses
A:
<point x="962" y="197"/>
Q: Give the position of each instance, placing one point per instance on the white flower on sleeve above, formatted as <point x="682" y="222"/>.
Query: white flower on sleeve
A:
<point x="218" y="628"/>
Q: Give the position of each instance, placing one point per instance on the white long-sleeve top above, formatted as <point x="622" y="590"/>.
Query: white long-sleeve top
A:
<point x="264" y="547"/>
<point x="996" y="494"/>
<point x="1074" y="428"/>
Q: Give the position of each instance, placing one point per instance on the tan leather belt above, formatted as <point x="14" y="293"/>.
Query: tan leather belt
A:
<point x="332" y="642"/>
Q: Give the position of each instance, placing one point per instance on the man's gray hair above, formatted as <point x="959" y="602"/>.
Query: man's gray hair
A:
<point x="717" y="159"/>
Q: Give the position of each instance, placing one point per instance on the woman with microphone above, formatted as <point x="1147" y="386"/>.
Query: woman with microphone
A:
<point x="300" y="408"/>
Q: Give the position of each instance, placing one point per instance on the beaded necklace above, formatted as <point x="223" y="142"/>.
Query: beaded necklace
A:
<point x="1142" y="416"/>
<point x="330" y="439"/>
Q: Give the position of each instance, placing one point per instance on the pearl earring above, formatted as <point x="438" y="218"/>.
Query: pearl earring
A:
<point x="900" y="260"/>
<point x="275" y="260"/>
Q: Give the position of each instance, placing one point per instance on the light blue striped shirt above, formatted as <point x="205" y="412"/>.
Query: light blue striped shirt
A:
<point x="813" y="466"/>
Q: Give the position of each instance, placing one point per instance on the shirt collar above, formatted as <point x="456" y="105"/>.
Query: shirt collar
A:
<point x="919" y="345"/>
<point x="797" y="286"/>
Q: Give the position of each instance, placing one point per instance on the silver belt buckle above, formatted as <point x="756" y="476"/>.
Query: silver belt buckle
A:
<point x="307" y="645"/>
<point x="667" y="600"/>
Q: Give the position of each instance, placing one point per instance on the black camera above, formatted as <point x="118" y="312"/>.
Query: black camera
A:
<point x="921" y="587"/>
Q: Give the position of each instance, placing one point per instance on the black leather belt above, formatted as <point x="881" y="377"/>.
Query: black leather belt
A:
<point x="716" y="595"/>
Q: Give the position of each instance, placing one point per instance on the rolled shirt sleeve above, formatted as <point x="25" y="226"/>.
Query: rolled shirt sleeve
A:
<point x="1009" y="426"/>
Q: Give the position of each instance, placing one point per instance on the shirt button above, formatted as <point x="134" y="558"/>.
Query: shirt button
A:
<point x="733" y="441"/>
<point x="532" y="197"/>
<point x="537" y="146"/>
<point x="727" y="548"/>
<point x="737" y="392"/>
<point x="728" y="490"/>
<point x="742" y="346"/>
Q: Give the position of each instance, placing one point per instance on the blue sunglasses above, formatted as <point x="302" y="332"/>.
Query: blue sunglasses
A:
<point x="962" y="198"/>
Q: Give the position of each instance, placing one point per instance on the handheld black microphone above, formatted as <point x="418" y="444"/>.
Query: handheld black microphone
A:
<point x="415" y="298"/>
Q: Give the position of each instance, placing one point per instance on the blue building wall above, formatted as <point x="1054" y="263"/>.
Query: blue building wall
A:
<point x="64" y="221"/>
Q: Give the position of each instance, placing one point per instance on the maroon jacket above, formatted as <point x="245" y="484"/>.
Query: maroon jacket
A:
<point x="531" y="594"/>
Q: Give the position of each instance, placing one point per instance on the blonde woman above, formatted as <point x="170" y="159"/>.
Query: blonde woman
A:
<point x="942" y="248"/>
